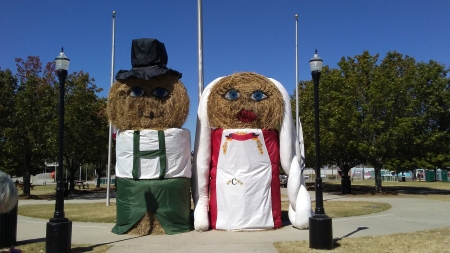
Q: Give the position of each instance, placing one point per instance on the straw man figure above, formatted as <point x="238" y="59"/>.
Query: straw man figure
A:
<point x="245" y="133"/>
<point x="149" y="105"/>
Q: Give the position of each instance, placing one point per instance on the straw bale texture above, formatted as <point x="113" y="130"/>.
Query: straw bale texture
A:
<point x="245" y="112"/>
<point x="148" y="111"/>
<point x="148" y="224"/>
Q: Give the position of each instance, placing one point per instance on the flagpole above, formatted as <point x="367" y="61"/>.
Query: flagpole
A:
<point x="200" y="51"/>
<point x="296" y="73"/>
<point x="200" y="86"/>
<point x="108" y="184"/>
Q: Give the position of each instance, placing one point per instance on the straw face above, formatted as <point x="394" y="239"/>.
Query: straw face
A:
<point x="159" y="103"/>
<point x="245" y="100"/>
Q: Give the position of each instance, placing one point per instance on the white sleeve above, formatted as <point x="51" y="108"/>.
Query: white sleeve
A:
<point x="202" y="159"/>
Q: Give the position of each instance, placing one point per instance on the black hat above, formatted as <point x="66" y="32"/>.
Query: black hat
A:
<point x="148" y="59"/>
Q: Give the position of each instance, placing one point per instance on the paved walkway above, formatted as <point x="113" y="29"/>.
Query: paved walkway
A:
<point x="406" y="215"/>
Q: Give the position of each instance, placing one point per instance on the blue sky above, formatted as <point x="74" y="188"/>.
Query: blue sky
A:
<point x="238" y="35"/>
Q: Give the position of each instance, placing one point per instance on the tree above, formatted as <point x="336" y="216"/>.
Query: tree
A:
<point x="8" y="87"/>
<point x="386" y="110"/>
<point x="30" y="137"/>
<point x="392" y="113"/>
<point x="339" y="120"/>
<point x="431" y="98"/>
<point x="99" y="154"/>
<point x="84" y="127"/>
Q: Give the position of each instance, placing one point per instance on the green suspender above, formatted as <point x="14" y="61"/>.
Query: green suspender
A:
<point x="161" y="153"/>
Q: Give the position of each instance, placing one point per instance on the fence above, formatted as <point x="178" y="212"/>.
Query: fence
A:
<point x="104" y="180"/>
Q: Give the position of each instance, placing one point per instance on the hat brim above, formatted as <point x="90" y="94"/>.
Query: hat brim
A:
<point x="146" y="73"/>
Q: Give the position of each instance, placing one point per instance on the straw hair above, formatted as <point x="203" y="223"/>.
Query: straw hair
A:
<point x="8" y="193"/>
<point x="148" y="112"/>
<point x="222" y="112"/>
<point x="148" y="224"/>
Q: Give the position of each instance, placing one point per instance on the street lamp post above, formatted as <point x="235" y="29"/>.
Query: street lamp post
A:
<point x="320" y="225"/>
<point x="59" y="228"/>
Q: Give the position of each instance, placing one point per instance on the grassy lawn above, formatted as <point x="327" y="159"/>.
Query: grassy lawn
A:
<point x="92" y="212"/>
<point x="99" y="212"/>
<point x="76" y="248"/>
<point x="366" y="188"/>
<point x="48" y="191"/>
<point x="436" y="240"/>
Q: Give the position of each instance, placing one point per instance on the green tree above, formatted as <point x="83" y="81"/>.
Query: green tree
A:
<point x="99" y="154"/>
<point x="386" y="110"/>
<point x="339" y="120"/>
<point x="31" y="136"/>
<point x="393" y="114"/>
<point x="8" y="87"/>
<point x="432" y="102"/>
<point x="84" y="126"/>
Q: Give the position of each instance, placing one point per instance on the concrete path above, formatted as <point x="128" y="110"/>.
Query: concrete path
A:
<point x="406" y="215"/>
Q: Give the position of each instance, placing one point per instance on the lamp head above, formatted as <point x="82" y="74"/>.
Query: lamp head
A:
<point x="316" y="63"/>
<point x="61" y="61"/>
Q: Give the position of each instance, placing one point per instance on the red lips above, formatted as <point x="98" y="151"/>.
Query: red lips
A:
<point x="246" y="116"/>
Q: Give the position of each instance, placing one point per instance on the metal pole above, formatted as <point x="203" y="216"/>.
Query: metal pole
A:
<point x="200" y="50"/>
<point x="59" y="206"/>
<point x="319" y="194"/>
<point x="110" y="125"/>
<point x="296" y="73"/>
<point x="321" y="229"/>
<point x="59" y="228"/>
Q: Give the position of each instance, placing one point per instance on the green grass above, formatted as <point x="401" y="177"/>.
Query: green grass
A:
<point x="416" y="184"/>
<point x="41" y="189"/>
<point x="91" y="212"/>
<point x="436" y="240"/>
<point x="99" y="212"/>
<point x="366" y="188"/>
<point x="76" y="248"/>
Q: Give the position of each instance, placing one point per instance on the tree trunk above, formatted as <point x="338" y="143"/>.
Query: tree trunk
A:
<point x="346" y="183"/>
<point x="97" y="179"/>
<point x="378" y="185"/>
<point x="26" y="184"/>
<point x="26" y="177"/>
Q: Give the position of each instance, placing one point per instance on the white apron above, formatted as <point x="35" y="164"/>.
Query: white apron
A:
<point x="243" y="182"/>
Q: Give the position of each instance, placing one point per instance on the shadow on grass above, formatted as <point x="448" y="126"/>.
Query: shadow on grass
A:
<point x="336" y="243"/>
<point x="95" y="193"/>
<point x="19" y="243"/>
<point x="90" y="248"/>
<point x="386" y="190"/>
<point x="75" y="248"/>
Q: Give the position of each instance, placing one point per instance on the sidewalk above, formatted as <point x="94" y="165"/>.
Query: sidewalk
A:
<point x="406" y="215"/>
